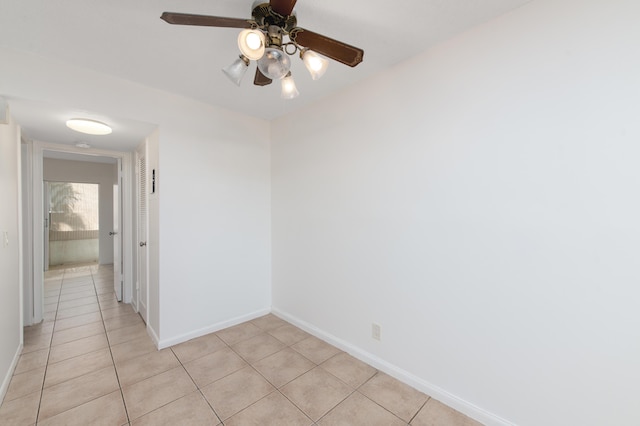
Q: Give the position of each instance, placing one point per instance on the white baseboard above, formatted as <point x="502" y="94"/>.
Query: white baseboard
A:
<point x="412" y="380"/>
<point x="161" y="344"/>
<point x="7" y="377"/>
<point x="154" y="336"/>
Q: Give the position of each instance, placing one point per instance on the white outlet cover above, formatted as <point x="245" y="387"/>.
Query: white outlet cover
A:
<point x="375" y="331"/>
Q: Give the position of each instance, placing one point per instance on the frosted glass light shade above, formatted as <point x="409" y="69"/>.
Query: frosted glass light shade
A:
<point x="275" y="64"/>
<point x="236" y="70"/>
<point x="316" y="64"/>
<point x="90" y="127"/>
<point x="289" y="89"/>
<point x="252" y="44"/>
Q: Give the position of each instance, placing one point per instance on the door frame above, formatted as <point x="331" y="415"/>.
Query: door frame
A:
<point x="118" y="240"/>
<point x="46" y="205"/>
<point x="38" y="214"/>
<point x="26" y="185"/>
<point x="141" y="300"/>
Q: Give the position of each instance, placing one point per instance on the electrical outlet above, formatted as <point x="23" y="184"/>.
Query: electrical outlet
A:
<point x="375" y="331"/>
<point x="5" y="238"/>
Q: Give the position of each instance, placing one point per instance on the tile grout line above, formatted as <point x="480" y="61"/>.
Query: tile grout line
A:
<point x="113" y="361"/>
<point x="276" y="389"/>
<point x="79" y="338"/>
<point x="353" y="390"/>
<point x="53" y="330"/>
<point x="419" y="409"/>
<point x="383" y="407"/>
<point x="263" y="331"/>
<point x="196" y="385"/>
<point x="300" y="408"/>
<point x="47" y="366"/>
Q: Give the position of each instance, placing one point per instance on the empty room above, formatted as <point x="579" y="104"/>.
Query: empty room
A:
<point x="333" y="213"/>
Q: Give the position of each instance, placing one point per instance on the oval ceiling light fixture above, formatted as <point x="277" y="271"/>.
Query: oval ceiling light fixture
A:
<point x="90" y="127"/>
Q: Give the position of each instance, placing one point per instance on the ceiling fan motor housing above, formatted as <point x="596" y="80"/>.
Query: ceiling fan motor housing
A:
<point x="274" y="35"/>
<point x="265" y="16"/>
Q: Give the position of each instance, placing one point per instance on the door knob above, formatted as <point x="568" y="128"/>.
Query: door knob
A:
<point x="142" y="244"/>
<point x="113" y="233"/>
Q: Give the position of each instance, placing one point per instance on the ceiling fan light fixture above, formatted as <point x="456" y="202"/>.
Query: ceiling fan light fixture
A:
<point x="289" y="89"/>
<point x="88" y="126"/>
<point x="252" y="44"/>
<point x="275" y="64"/>
<point x="316" y="64"/>
<point x="237" y="69"/>
<point x="269" y="37"/>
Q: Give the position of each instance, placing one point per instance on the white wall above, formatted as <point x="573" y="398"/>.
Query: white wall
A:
<point x="105" y="175"/>
<point x="479" y="202"/>
<point x="214" y="175"/>
<point x="214" y="206"/>
<point x="10" y="285"/>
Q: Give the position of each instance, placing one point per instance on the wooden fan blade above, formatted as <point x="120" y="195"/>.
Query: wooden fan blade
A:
<point x="204" y="20"/>
<point x="283" y="7"/>
<point x="334" y="49"/>
<point x="261" y="79"/>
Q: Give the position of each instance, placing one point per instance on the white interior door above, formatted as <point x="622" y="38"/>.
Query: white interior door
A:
<point x="142" y="279"/>
<point x="117" y="235"/>
<point x="47" y="221"/>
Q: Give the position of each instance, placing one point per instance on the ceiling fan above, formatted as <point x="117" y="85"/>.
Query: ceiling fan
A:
<point x="263" y="40"/>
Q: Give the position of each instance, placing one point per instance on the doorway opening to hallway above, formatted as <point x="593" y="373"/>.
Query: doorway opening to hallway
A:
<point x="73" y="223"/>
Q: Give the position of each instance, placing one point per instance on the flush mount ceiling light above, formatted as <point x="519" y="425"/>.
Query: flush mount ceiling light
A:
<point x="263" y="39"/>
<point x="90" y="127"/>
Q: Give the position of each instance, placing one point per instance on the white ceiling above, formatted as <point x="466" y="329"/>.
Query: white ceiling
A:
<point x="58" y="155"/>
<point x="45" y="122"/>
<point x="128" y="39"/>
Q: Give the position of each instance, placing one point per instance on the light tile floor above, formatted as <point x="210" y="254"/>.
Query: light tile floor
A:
<point x="92" y="362"/>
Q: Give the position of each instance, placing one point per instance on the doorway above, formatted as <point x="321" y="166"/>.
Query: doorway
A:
<point x="72" y="225"/>
<point x="121" y="164"/>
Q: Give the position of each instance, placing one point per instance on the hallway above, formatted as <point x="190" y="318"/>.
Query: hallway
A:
<point x="91" y="362"/>
<point x="66" y="370"/>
